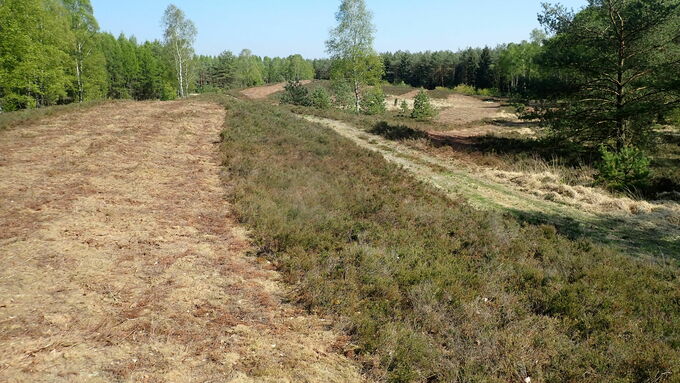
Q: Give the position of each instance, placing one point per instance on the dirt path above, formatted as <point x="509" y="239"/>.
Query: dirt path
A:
<point x="120" y="262"/>
<point x="652" y="234"/>
<point x="260" y="92"/>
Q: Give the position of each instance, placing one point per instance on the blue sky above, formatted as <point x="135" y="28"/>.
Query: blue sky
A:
<point x="284" y="27"/>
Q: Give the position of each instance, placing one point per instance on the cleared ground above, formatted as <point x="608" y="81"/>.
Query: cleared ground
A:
<point x="120" y="261"/>
<point x="261" y="92"/>
<point x="466" y="116"/>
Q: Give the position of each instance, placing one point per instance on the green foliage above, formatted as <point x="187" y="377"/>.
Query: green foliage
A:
<point x="403" y="109"/>
<point x="674" y="117"/>
<point x="619" y="170"/>
<point x="465" y="89"/>
<point x="614" y="70"/>
<point x="373" y="101"/>
<point x="422" y="107"/>
<point x="34" y="62"/>
<point x="249" y="70"/>
<point x="296" y="94"/>
<point x="320" y="98"/>
<point x="432" y="289"/>
<point x="343" y="97"/>
<point x="180" y="35"/>
<point x="351" y="48"/>
<point x="67" y="59"/>
<point x="484" y="73"/>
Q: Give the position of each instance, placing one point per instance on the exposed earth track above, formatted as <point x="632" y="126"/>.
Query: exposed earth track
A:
<point x="120" y="259"/>
<point x="260" y="92"/>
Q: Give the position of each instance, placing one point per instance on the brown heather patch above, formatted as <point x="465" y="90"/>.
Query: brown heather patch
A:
<point x="121" y="261"/>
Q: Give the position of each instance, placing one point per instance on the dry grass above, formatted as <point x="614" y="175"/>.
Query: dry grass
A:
<point x="262" y="92"/>
<point x="120" y="260"/>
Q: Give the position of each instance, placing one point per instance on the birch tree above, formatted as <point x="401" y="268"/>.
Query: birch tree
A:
<point x="89" y="65"/>
<point x="180" y="34"/>
<point x="351" y="48"/>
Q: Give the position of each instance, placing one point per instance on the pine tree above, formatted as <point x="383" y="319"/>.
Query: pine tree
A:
<point x="484" y="75"/>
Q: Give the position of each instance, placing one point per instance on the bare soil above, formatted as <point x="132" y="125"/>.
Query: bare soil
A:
<point x="467" y="116"/>
<point x="120" y="260"/>
<point x="261" y="92"/>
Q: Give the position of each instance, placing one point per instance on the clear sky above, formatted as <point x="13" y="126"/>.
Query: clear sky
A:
<point x="284" y="27"/>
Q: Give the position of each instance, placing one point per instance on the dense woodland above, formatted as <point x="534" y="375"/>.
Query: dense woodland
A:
<point x="68" y="59"/>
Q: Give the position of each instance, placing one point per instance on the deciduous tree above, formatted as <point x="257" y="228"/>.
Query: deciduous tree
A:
<point x="180" y="34"/>
<point x="351" y="48"/>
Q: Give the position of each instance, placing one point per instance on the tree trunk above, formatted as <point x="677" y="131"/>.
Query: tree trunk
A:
<point x="180" y="69"/>
<point x="79" y="72"/>
<point x="357" y="96"/>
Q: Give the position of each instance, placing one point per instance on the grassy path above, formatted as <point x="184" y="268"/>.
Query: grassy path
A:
<point x="630" y="234"/>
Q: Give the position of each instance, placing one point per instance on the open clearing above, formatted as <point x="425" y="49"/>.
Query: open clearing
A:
<point x="467" y="116"/>
<point x="260" y="92"/>
<point x="120" y="261"/>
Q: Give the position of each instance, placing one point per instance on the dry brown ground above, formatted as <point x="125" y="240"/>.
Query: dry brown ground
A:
<point x="120" y="262"/>
<point x="467" y="116"/>
<point x="260" y="92"/>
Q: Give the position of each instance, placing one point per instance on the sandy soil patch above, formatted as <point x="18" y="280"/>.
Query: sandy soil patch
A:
<point x="120" y="260"/>
<point x="261" y="92"/>
<point x="467" y="116"/>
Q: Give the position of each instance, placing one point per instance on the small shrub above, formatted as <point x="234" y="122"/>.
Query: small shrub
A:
<point x="465" y="89"/>
<point x="13" y="102"/>
<point x="296" y="94"/>
<point x="628" y="167"/>
<point x="484" y="92"/>
<point x="168" y="92"/>
<point x="422" y="107"/>
<point x="404" y="109"/>
<point x="320" y="98"/>
<point x="342" y="92"/>
<point x="471" y="91"/>
<point x="373" y="102"/>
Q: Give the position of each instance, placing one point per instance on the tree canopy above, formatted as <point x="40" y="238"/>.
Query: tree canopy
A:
<point x="614" y="66"/>
<point x="350" y="46"/>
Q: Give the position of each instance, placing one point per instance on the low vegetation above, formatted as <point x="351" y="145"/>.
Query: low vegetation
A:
<point x="8" y="120"/>
<point x="422" y="107"/>
<point x="430" y="289"/>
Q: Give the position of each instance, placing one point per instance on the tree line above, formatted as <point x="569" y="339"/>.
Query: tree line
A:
<point x="245" y="70"/>
<point x="508" y="68"/>
<point x="53" y="52"/>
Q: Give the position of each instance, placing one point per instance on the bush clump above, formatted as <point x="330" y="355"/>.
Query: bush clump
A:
<point x="404" y="110"/>
<point x="422" y="107"/>
<point x="626" y="168"/>
<point x="373" y="101"/>
<point x="296" y="94"/>
<point x="320" y="98"/>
